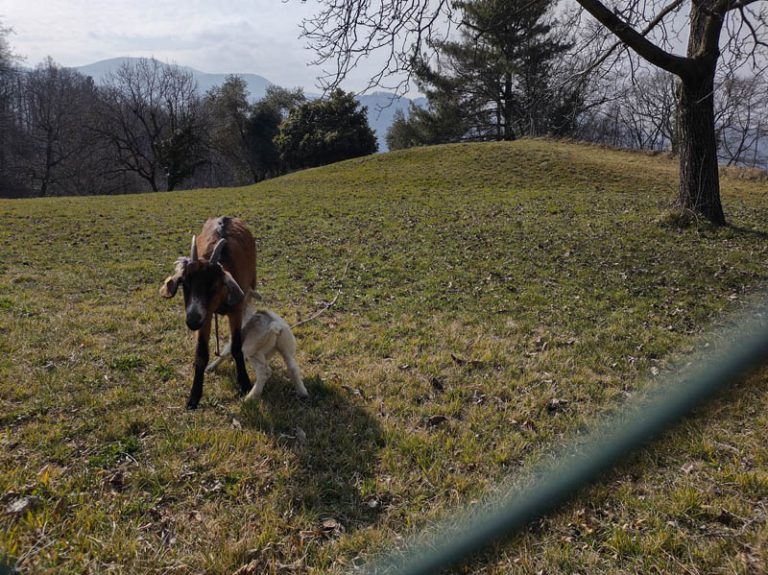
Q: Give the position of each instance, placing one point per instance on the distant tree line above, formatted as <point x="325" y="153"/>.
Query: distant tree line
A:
<point x="519" y="68"/>
<point x="147" y="128"/>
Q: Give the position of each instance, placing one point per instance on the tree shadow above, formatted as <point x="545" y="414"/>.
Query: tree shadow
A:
<point x="336" y="442"/>
<point x="747" y="232"/>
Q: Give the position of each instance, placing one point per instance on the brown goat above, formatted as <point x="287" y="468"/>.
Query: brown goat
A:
<point x="222" y="264"/>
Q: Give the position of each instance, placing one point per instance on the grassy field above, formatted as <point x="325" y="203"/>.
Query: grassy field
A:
<point x="498" y="298"/>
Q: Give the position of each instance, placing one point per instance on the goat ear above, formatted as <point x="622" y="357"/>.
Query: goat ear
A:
<point x="234" y="294"/>
<point x="170" y="285"/>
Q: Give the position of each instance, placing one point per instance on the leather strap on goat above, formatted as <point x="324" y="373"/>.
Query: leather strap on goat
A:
<point x="216" y="328"/>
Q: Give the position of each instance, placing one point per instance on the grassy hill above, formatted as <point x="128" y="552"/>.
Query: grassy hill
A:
<point x="483" y="282"/>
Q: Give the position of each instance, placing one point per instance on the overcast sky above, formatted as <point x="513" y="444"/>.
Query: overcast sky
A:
<point x="218" y="36"/>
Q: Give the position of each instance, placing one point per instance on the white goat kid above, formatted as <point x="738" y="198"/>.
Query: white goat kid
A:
<point x="264" y="334"/>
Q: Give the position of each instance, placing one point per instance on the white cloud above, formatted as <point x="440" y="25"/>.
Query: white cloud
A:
<point x="243" y="36"/>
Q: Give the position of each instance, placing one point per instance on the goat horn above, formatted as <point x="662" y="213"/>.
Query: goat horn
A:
<point x="193" y="253"/>
<point x="216" y="255"/>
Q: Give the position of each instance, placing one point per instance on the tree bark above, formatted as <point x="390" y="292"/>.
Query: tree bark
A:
<point x="699" y="188"/>
<point x="699" y="179"/>
<point x="509" y="133"/>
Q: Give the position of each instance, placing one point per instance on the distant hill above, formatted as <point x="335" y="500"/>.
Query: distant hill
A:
<point x="205" y="81"/>
<point x="381" y="111"/>
<point x="381" y="105"/>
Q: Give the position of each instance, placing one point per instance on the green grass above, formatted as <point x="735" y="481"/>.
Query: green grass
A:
<point x="484" y="282"/>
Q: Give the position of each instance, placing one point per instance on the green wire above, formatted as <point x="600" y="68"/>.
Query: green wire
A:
<point x="606" y="446"/>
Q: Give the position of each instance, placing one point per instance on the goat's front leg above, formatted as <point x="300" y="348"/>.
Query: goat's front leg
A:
<point x="201" y="360"/>
<point x="237" y="352"/>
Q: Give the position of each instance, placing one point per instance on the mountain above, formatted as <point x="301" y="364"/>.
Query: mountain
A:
<point x="381" y="111"/>
<point x="381" y="105"/>
<point x="205" y="81"/>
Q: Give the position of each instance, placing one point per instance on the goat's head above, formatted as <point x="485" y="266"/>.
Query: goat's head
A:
<point x="207" y="286"/>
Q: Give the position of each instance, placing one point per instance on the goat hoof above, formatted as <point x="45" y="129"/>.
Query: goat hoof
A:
<point x="245" y="388"/>
<point x="192" y="405"/>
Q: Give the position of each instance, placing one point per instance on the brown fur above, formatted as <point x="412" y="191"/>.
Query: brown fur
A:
<point x="215" y="289"/>
<point x="239" y="257"/>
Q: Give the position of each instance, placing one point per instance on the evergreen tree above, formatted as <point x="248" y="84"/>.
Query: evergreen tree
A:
<point x="264" y="126"/>
<point x="500" y="70"/>
<point x="228" y="110"/>
<point x="325" y="131"/>
<point x="443" y="121"/>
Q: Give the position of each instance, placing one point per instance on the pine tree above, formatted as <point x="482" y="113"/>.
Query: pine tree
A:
<point x="500" y="70"/>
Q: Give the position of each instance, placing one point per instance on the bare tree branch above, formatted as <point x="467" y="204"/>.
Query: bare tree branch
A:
<point x="677" y="65"/>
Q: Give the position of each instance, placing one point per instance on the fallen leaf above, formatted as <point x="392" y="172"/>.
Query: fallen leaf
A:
<point x="331" y="527"/>
<point x="437" y="383"/>
<point x="22" y="505"/>
<point x="557" y="404"/>
<point x="354" y="391"/>
<point x="727" y="518"/>
<point x="436" y="420"/>
<point x="252" y="568"/>
<point x="118" y="480"/>
<point x="470" y="362"/>
<point x="528" y="424"/>
<point x="330" y="523"/>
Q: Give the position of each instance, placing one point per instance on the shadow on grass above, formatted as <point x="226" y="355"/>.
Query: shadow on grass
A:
<point x="338" y="455"/>
<point x="747" y="232"/>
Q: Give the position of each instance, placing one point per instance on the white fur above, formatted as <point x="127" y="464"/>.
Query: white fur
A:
<point x="264" y="333"/>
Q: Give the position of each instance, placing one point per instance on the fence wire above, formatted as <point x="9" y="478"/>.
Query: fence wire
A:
<point x="715" y="367"/>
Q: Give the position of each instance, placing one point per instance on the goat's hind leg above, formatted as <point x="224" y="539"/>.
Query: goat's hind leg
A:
<point x="263" y="373"/>
<point x="295" y="374"/>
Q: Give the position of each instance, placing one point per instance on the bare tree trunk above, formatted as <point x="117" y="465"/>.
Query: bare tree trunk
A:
<point x="509" y="133"/>
<point x="699" y="179"/>
<point x="48" y="166"/>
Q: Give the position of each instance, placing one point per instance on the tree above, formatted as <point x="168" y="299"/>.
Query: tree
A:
<point x="699" y="186"/>
<point x="56" y="110"/>
<point x="11" y="136"/>
<point x="324" y="131"/>
<point x="347" y="31"/>
<point x="229" y="111"/>
<point x="741" y="109"/>
<point x="151" y="115"/>
<point x="244" y="133"/>
<point x="442" y="121"/>
<point x="499" y="72"/>
<point x="639" y="116"/>
<point x="264" y="128"/>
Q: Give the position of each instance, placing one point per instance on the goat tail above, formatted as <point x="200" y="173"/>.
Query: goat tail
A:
<point x="275" y="328"/>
